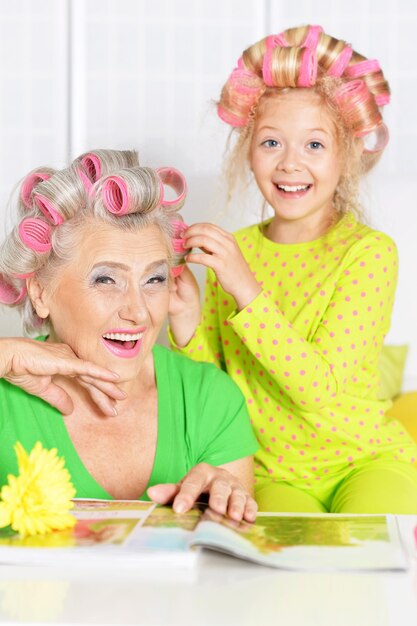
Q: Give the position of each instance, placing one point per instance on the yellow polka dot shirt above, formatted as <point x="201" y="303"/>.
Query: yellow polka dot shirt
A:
<point x="305" y="351"/>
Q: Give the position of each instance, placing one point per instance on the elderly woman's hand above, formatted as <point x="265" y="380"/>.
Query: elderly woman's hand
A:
<point x="227" y="495"/>
<point x="32" y="365"/>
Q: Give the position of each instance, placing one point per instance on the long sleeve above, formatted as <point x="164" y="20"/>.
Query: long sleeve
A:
<point x="352" y="312"/>
<point x="205" y="344"/>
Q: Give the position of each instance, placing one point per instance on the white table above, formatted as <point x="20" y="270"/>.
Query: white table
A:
<point x="220" y="591"/>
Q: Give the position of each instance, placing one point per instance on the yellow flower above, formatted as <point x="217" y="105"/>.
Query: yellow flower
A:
<point x="38" y="500"/>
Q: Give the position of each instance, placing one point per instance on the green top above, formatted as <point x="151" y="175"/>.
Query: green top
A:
<point x="193" y="426"/>
<point x="305" y="351"/>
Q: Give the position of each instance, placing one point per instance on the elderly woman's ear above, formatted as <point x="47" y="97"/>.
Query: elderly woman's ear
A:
<point x="37" y="295"/>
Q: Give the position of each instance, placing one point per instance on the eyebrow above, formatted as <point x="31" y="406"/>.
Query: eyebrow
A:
<point x="308" y="130"/>
<point x="121" y="266"/>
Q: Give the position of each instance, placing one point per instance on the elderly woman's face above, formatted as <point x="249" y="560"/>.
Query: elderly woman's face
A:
<point x="112" y="298"/>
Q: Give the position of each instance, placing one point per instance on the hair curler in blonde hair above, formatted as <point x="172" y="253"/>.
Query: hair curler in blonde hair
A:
<point x="241" y="92"/>
<point x="304" y="57"/>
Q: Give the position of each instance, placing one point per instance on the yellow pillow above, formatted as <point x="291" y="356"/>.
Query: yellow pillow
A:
<point x="404" y="410"/>
<point x="391" y="366"/>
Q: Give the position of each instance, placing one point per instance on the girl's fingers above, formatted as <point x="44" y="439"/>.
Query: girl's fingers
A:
<point x="207" y="229"/>
<point x="208" y="244"/>
<point x="208" y="260"/>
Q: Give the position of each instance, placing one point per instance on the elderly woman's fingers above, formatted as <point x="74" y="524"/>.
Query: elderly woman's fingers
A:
<point x="251" y="510"/>
<point x="163" y="494"/>
<point x="226" y="494"/>
<point x="237" y="504"/>
<point x="57" y="397"/>
<point x="110" y="389"/>
<point x="220" y="492"/>
<point x="74" y="366"/>
<point x="192" y="486"/>
<point x="106" y="405"/>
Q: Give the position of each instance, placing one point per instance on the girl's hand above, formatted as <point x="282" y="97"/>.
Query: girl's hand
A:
<point x="32" y="365"/>
<point x="184" y="307"/>
<point x="222" y="254"/>
<point x="227" y="495"/>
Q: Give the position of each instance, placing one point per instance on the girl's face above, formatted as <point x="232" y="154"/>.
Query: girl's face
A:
<point x="112" y="298"/>
<point x="295" y="158"/>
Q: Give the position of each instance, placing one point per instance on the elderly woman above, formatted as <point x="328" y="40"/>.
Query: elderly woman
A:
<point x="90" y="261"/>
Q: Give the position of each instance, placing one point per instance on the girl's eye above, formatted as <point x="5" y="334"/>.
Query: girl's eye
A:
<point x="270" y="143"/>
<point x="315" y="145"/>
<point x="155" y="280"/>
<point x="104" y="280"/>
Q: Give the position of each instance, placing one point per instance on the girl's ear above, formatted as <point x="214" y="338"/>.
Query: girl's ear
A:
<point x="37" y="295"/>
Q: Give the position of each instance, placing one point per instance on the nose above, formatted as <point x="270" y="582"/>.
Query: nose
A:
<point x="289" y="160"/>
<point x="133" y="307"/>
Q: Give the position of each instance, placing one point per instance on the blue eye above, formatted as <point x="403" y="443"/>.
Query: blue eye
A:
<point x="315" y="145"/>
<point x="270" y="143"/>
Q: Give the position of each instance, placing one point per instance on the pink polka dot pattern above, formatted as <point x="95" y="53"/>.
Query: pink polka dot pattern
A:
<point x="305" y="351"/>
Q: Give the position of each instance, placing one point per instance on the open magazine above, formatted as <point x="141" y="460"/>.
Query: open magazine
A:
<point x="145" y="534"/>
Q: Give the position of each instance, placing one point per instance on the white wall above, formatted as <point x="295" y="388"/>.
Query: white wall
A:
<point x="79" y="74"/>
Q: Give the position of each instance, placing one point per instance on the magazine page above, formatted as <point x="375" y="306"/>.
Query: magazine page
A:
<point x="119" y="531"/>
<point x="307" y="542"/>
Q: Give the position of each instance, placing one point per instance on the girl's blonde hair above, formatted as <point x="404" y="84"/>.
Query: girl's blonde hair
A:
<point x="352" y="89"/>
<point x="55" y="206"/>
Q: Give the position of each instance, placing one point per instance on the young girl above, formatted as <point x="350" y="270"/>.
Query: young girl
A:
<point x="296" y="308"/>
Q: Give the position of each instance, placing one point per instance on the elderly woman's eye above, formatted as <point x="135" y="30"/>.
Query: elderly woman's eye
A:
<point x="104" y="280"/>
<point x="155" y="280"/>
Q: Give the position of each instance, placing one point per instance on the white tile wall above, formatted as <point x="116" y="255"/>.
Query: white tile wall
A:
<point x="77" y="74"/>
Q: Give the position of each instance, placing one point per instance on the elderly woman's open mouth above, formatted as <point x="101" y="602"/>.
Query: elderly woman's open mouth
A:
<point x="123" y="343"/>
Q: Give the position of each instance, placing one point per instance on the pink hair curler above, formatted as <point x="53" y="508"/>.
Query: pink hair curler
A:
<point x="308" y="70"/>
<point x="29" y="184"/>
<point x="115" y="195"/>
<point x="177" y="270"/>
<point x="92" y="165"/>
<point x="340" y="63"/>
<point x="178" y="228"/>
<point x="273" y="41"/>
<point x="9" y="294"/>
<point x="48" y="209"/>
<point x="35" y="233"/>
<point x="267" y="68"/>
<point x="171" y="177"/>
<point x="244" y="88"/>
<point x="231" y="118"/>
<point x="85" y="180"/>
<point x="352" y="93"/>
<point x="375" y="140"/>
<point x="312" y="38"/>
<point x="382" y="99"/>
<point x="363" y="67"/>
